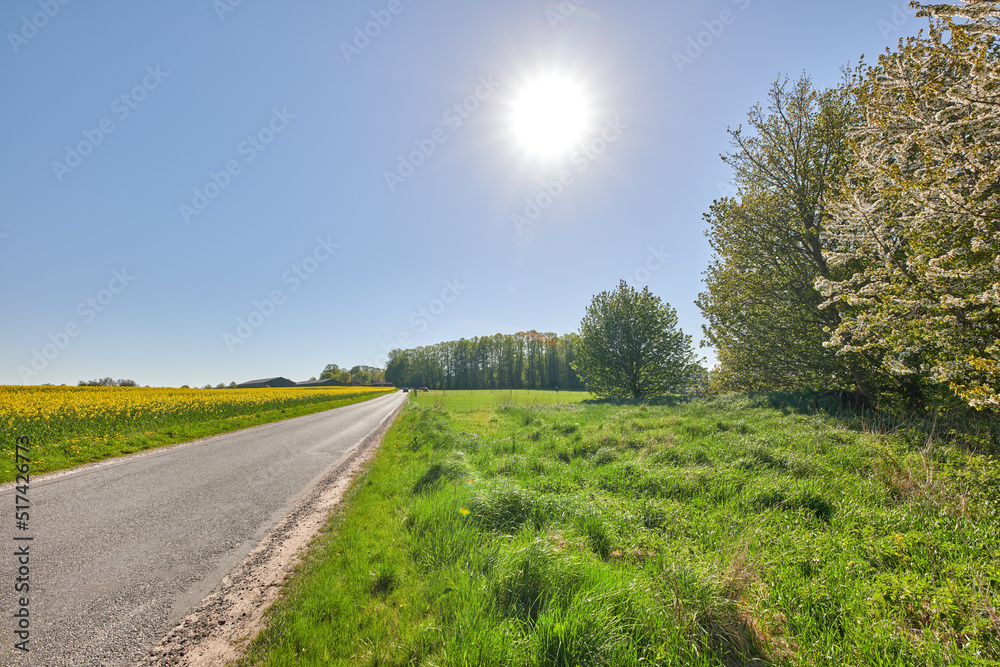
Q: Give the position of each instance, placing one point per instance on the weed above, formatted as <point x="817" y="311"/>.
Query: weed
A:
<point x="506" y="508"/>
<point x="384" y="579"/>
<point x="455" y="467"/>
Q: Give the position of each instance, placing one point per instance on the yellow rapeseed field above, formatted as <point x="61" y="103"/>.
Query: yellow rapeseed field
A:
<point x="72" y="425"/>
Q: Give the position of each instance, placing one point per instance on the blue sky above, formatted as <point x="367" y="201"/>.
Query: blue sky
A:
<point x="199" y="192"/>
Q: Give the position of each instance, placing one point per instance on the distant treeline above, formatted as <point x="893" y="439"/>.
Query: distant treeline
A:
<point x="526" y="360"/>
<point x="106" y="382"/>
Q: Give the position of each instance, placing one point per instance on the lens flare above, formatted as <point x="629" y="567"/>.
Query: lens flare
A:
<point x="550" y="115"/>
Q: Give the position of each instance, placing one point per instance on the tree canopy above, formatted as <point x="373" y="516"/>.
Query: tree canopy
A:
<point x="764" y="312"/>
<point x="335" y="372"/>
<point x="630" y="346"/>
<point x="525" y="360"/>
<point x="106" y="382"/>
<point x="863" y="244"/>
<point x="916" y="238"/>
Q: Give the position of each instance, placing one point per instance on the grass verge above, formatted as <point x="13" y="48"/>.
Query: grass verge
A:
<point x="716" y="531"/>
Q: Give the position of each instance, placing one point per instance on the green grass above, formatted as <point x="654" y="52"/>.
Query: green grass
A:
<point x="717" y="531"/>
<point x="470" y="400"/>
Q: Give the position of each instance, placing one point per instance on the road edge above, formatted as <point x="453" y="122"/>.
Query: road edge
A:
<point x="225" y="621"/>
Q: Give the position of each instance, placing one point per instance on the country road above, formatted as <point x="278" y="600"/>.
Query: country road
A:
<point x="123" y="550"/>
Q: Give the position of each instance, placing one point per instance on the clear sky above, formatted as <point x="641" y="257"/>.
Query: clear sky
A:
<point x="200" y="192"/>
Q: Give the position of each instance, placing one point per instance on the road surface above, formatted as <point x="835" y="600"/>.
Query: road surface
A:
<point x="124" y="549"/>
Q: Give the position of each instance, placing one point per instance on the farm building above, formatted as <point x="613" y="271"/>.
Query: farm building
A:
<point x="320" y="383"/>
<point x="266" y="383"/>
<point x="271" y="383"/>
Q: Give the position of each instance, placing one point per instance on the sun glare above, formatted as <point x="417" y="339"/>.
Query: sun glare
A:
<point x="550" y="115"/>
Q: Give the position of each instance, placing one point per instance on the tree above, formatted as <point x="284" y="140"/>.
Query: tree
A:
<point x="335" y="372"/>
<point x="630" y="346"/>
<point x="918" y="237"/>
<point x="765" y="315"/>
<point x="397" y="368"/>
<point x="366" y="374"/>
<point x="501" y="361"/>
<point x="699" y="381"/>
<point x="106" y="382"/>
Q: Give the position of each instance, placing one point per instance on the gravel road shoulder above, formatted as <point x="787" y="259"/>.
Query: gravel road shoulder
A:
<point x="224" y="622"/>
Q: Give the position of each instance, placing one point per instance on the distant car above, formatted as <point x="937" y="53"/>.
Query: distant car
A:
<point x="406" y="389"/>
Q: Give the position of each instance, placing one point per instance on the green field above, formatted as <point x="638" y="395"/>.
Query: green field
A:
<point x="728" y="530"/>
<point x="463" y="400"/>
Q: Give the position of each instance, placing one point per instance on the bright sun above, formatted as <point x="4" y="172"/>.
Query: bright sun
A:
<point x="550" y="115"/>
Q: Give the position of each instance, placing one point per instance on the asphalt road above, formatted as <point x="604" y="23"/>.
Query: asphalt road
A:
<point x="123" y="550"/>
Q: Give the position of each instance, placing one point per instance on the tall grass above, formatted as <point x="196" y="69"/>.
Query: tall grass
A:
<point x="729" y="530"/>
